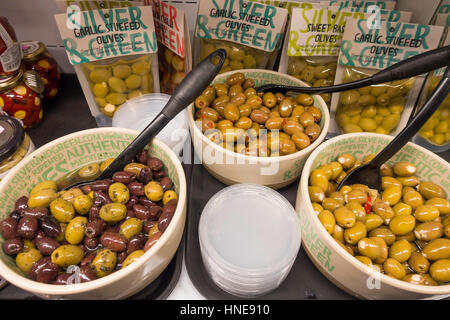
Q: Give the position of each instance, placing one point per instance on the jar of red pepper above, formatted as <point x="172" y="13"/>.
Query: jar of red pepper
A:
<point x="10" y="51"/>
<point x="20" y="96"/>
<point x="36" y="57"/>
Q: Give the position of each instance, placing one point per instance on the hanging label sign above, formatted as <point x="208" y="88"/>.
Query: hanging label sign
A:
<point x="85" y="5"/>
<point x="385" y="14"/>
<point x="102" y="34"/>
<point x="359" y="5"/>
<point x="170" y="26"/>
<point x="289" y="5"/>
<point x="379" y="48"/>
<point x="318" y="32"/>
<point x="248" y="23"/>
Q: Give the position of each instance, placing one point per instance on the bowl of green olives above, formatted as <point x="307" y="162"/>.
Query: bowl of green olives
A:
<point x="244" y="136"/>
<point x="392" y="243"/>
<point x="108" y="239"/>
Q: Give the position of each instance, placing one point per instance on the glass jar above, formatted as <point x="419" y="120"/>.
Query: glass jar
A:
<point x="20" y="96"/>
<point x="10" y="51"/>
<point x="15" y="144"/>
<point x="36" y="57"/>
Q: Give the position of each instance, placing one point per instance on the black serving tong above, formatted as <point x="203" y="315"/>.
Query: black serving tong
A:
<point x="369" y="173"/>
<point x="416" y="65"/>
<point x="190" y="88"/>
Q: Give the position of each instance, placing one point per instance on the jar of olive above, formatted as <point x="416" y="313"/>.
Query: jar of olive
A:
<point x="15" y="144"/>
<point x="116" y="80"/>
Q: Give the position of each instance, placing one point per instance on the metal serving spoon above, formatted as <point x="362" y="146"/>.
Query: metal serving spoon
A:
<point x="190" y="88"/>
<point x="369" y="173"/>
<point x="416" y="65"/>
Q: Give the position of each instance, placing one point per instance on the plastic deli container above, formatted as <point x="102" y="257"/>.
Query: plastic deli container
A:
<point x="249" y="238"/>
<point x="138" y="112"/>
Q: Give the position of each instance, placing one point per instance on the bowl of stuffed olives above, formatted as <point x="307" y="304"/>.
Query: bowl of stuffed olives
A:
<point x="244" y="136"/>
<point x="108" y="239"/>
<point x="392" y="243"/>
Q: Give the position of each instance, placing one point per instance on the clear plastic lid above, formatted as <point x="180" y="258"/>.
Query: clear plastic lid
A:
<point x="138" y="112"/>
<point x="249" y="237"/>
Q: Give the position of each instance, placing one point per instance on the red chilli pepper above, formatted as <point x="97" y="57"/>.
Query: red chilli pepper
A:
<point x="368" y="204"/>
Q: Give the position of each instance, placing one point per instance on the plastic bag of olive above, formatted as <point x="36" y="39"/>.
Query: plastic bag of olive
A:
<point x="402" y="230"/>
<point x="112" y="68"/>
<point x="113" y="232"/>
<point x="383" y="108"/>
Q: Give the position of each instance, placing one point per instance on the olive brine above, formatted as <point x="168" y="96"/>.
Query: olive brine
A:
<point x="100" y="227"/>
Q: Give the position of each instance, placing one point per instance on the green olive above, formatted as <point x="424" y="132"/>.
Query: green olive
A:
<point x="154" y="191"/>
<point x="400" y="250"/>
<point x="231" y="112"/>
<point x="62" y="210"/>
<point x="443" y="205"/>
<point x="140" y="68"/>
<point x="133" y="82"/>
<point x="104" y="262"/>
<point x="113" y="212"/>
<point x="67" y="255"/>
<point x="428" y="231"/>
<point x="42" y="198"/>
<point x="420" y="279"/>
<point x="301" y="140"/>
<point x="404" y="168"/>
<point x="135" y="168"/>
<point x="26" y="258"/>
<point x="413" y="198"/>
<point x="121" y="71"/>
<point x="402" y="209"/>
<point x="426" y="213"/>
<point x="118" y="192"/>
<point x="90" y="170"/>
<point x="319" y="179"/>
<point x="100" y="90"/>
<point x="244" y="123"/>
<point x="132" y="257"/>
<point x="131" y="227"/>
<point x="440" y="270"/>
<point x="346" y="160"/>
<point x="401" y="225"/>
<point x="349" y="97"/>
<point x="431" y="190"/>
<point x="394" y="268"/>
<point x="328" y="221"/>
<point x="373" y="221"/>
<point x="357" y="196"/>
<point x="418" y="262"/>
<point x="437" y="249"/>
<point x="392" y="195"/>
<point x="345" y="217"/>
<point x="99" y="75"/>
<point x="116" y="98"/>
<point x="117" y="85"/>
<point x="366" y="260"/>
<point x="383" y="233"/>
<point x="358" y="210"/>
<point x="269" y="100"/>
<point x="387" y="182"/>
<point x="410" y="181"/>
<point x="370" y="248"/>
<point x="316" y="194"/>
<point x="354" y="234"/>
<point x="74" y="233"/>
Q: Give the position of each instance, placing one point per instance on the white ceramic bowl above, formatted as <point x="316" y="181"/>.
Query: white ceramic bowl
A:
<point x="231" y="167"/>
<point x="328" y="256"/>
<point x="67" y="154"/>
